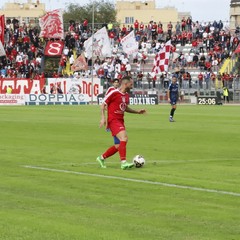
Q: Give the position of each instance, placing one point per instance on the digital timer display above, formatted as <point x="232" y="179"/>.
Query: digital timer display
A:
<point x="207" y="100"/>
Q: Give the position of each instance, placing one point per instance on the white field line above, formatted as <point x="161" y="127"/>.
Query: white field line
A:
<point x="157" y="162"/>
<point x="136" y="180"/>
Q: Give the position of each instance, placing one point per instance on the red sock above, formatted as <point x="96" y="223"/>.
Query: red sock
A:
<point x="111" y="151"/>
<point x="122" y="150"/>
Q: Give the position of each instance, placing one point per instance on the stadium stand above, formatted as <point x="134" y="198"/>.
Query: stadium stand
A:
<point x="199" y="48"/>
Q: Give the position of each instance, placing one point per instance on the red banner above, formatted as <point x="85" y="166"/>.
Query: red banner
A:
<point x="54" y="49"/>
<point x="80" y="64"/>
<point x="51" y="25"/>
<point x="22" y="85"/>
<point x="2" y="27"/>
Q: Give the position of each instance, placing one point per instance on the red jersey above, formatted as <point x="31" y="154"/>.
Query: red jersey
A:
<point x="85" y="23"/>
<point x="213" y="76"/>
<point x="154" y="27"/>
<point x="194" y="43"/>
<point x="111" y="35"/>
<point x="173" y="48"/>
<point x="109" y="90"/>
<point x="123" y="68"/>
<point x="117" y="103"/>
<point x="136" y="24"/>
<point x="160" y="30"/>
<point x="33" y="48"/>
<point x="208" y="65"/>
<point x="26" y="39"/>
<point x="200" y="76"/>
<point x="124" y="29"/>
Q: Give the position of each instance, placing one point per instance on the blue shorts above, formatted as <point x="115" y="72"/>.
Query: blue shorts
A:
<point x="173" y="101"/>
<point x="115" y="139"/>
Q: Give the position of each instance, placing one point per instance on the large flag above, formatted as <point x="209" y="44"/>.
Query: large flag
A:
<point x="2" y="51"/>
<point x="51" y="25"/>
<point x="99" y="46"/>
<point x="2" y="27"/>
<point x="161" y="59"/>
<point x="129" y="44"/>
<point x="80" y="64"/>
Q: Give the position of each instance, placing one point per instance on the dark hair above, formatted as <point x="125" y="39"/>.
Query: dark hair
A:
<point x="115" y="80"/>
<point x="127" y="78"/>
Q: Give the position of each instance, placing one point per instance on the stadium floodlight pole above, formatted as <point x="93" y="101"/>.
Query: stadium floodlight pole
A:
<point x="93" y="6"/>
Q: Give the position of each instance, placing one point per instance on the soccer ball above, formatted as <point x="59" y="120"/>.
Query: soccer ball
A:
<point x="138" y="161"/>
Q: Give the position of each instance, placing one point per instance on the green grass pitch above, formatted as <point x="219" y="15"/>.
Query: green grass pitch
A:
<point x="51" y="187"/>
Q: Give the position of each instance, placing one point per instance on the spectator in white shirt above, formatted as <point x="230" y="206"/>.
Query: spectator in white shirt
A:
<point x="128" y="68"/>
<point x="71" y="60"/>
<point x="19" y="59"/>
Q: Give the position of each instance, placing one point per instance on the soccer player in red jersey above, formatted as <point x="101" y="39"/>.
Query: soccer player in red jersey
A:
<point x="117" y="102"/>
<point x="113" y="87"/>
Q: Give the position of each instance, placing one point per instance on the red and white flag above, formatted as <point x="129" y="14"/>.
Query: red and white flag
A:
<point x="2" y="27"/>
<point x="80" y="64"/>
<point x="51" y="25"/>
<point x="2" y="51"/>
<point x="161" y="59"/>
<point x="129" y="44"/>
<point x="99" y="46"/>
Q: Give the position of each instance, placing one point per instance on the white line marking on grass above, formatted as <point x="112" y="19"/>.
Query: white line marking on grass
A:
<point x="137" y="180"/>
<point x="164" y="161"/>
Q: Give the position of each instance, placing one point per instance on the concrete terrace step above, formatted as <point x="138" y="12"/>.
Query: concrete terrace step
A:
<point x="147" y="67"/>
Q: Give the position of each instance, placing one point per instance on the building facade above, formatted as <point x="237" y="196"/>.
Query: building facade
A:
<point x="234" y="14"/>
<point x="145" y="11"/>
<point x="27" y="12"/>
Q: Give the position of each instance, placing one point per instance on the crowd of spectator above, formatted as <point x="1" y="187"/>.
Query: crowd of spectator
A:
<point x="209" y="44"/>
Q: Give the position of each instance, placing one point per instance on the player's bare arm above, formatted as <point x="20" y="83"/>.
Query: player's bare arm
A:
<point x="168" y="95"/>
<point x="130" y="110"/>
<point x="103" y="118"/>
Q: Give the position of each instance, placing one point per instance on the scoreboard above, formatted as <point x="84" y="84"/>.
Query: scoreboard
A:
<point x="207" y="100"/>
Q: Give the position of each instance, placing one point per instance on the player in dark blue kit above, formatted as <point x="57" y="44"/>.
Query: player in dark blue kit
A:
<point x="173" y="96"/>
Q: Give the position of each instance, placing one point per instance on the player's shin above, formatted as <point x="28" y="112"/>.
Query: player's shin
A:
<point x="122" y="150"/>
<point x="172" y="112"/>
<point x="110" y="151"/>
